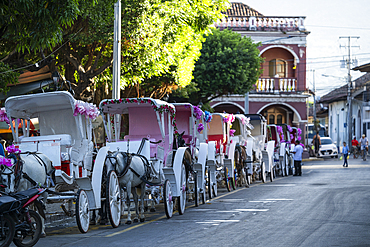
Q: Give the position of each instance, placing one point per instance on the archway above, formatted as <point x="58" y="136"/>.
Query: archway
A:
<point x="229" y="107"/>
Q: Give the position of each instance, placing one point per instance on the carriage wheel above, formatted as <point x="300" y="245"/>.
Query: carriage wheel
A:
<point x="203" y="193"/>
<point x="182" y="198"/>
<point x="82" y="211"/>
<point x="272" y="175"/>
<point x="196" y="190"/>
<point x="287" y="165"/>
<point x="233" y="181"/>
<point x="113" y="199"/>
<point x="263" y="172"/>
<point x="168" y="200"/>
<point x="209" y="184"/>
<point x="227" y="180"/>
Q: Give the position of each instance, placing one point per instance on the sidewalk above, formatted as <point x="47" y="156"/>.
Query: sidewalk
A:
<point x="312" y="159"/>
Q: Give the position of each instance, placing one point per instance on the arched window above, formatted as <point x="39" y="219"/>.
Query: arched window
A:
<point x="277" y="67"/>
<point x="279" y="119"/>
<point x="271" y="119"/>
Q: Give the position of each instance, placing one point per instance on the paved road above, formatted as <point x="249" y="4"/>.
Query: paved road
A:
<point x="327" y="206"/>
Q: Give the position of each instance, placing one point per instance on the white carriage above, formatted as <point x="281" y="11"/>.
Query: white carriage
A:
<point x="190" y="125"/>
<point x="149" y="127"/>
<point x="219" y="133"/>
<point x="66" y="139"/>
<point x="259" y="151"/>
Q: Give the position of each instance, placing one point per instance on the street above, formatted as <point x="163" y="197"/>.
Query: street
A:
<point x="327" y="206"/>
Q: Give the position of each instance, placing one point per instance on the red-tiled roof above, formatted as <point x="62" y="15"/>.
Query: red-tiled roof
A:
<point x="241" y="9"/>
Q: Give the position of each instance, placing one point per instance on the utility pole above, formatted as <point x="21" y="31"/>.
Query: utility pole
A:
<point x="349" y="96"/>
<point x="314" y="98"/>
<point x="117" y="51"/>
<point x="117" y="65"/>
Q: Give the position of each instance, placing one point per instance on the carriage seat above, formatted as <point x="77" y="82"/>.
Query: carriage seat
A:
<point x="65" y="139"/>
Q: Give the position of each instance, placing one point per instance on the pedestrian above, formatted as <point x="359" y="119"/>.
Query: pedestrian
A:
<point x="345" y="154"/>
<point x="355" y="147"/>
<point x="298" y="150"/>
<point x="364" y="146"/>
<point x="316" y="142"/>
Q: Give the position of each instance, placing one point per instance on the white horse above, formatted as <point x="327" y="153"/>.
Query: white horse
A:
<point x="28" y="169"/>
<point x="130" y="170"/>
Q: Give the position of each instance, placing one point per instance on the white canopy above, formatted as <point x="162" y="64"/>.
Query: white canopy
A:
<point x="29" y="106"/>
<point x="120" y="106"/>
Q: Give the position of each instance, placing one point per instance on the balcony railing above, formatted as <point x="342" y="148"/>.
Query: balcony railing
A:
<point x="273" y="85"/>
<point x="264" y="23"/>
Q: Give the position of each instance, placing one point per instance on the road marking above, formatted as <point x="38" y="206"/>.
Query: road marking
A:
<point x="278" y="185"/>
<point x="252" y="210"/>
<point x="214" y="221"/>
<point x="263" y="201"/>
<point x="278" y="199"/>
<point x="334" y="166"/>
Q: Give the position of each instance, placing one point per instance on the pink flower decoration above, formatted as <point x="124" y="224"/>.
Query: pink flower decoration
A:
<point x="279" y="129"/>
<point x="13" y="150"/>
<point x="291" y="136"/>
<point x="301" y="144"/>
<point x="232" y="132"/>
<point x="112" y="101"/>
<point x="200" y="127"/>
<point x="135" y="100"/>
<point x="5" y="162"/>
<point x="299" y="138"/>
<point x="120" y="100"/>
<point x="3" y="116"/>
<point x="127" y="100"/>
<point x="86" y="109"/>
<point x="290" y="129"/>
<point x="299" y="131"/>
<point x="197" y="112"/>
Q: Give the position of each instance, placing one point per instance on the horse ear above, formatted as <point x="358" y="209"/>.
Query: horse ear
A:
<point x="182" y="133"/>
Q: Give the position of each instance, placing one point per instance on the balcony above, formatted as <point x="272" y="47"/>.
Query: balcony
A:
<point x="276" y="85"/>
<point x="263" y="23"/>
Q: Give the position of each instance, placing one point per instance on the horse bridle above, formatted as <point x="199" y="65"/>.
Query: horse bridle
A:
<point x="11" y="171"/>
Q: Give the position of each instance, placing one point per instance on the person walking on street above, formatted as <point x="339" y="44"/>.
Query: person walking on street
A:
<point x="298" y="150"/>
<point x="316" y="142"/>
<point x="345" y="154"/>
<point x="355" y="147"/>
<point x="364" y="146"/>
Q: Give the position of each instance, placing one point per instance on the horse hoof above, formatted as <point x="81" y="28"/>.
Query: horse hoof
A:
<point x="43" y="235"/>
<point x="128" y="222"/>
<point x="152" y="210"/>
<point x="136" y="220"/>
<point x="142" y="220"/>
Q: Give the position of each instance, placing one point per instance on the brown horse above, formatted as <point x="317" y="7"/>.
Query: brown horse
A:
<point x="240" y="157"/>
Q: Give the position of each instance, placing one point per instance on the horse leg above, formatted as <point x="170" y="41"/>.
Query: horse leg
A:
<point x="142" y="216"/>
<point x="134" y="194"/>
<point x="128" y="202"/>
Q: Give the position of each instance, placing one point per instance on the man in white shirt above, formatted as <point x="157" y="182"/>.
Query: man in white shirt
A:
<point x="298" y="150"/>
<point x="364" y="144"/>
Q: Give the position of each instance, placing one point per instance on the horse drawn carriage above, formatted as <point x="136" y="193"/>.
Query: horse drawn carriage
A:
<point x="190" y="122"/>
<point x="260" y="149"/>
<point x="219" y="133"/>
<point x="142" y="150"/>
<point x="61" y="156"/>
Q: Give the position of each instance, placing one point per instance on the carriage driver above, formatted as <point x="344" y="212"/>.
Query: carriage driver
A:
<point x="298" y="150"/>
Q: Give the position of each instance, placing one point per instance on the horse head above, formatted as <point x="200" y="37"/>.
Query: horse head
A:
<point x="180" y="140"/>
<point x="7" y="178"/>
<point x="116" y="161"/>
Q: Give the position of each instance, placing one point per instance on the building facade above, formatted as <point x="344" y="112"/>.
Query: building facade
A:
<point x="280" y="94"/>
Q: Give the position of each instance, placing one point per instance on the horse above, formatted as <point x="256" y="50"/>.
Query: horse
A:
<point x="240" y="157"/>
<point x="28" y="170"/>
<point x="132" y="170"/>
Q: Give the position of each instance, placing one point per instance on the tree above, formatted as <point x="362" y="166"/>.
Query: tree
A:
<point x="229" y="64"/>
<point x="160" y="42"/>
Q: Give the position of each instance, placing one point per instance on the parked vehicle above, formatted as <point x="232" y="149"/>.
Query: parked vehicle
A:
<point x="327" y="148"/>
<point x="18" y="223"/>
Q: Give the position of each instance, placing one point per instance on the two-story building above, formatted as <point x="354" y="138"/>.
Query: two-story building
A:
<point x="280" y="94"/>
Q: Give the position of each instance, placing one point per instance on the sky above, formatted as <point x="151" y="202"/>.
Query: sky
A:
<point x="327" y="20"/>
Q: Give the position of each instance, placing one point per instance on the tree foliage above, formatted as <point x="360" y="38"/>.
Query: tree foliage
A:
<point x="161" y="41"/>
<point x="229" y="64"/>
